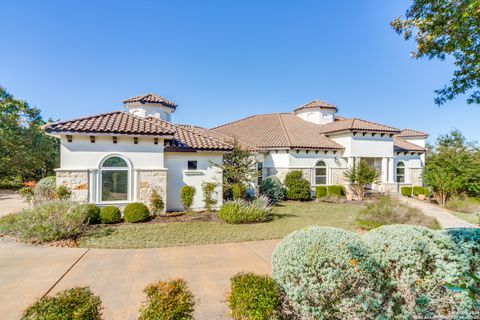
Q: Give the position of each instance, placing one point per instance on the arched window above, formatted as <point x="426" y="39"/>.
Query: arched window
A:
<point x="320" y="173"/>
<point x="400" y="172"/>
<point x="115" y="177"/>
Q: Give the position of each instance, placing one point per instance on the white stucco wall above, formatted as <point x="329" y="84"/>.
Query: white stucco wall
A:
<point x="82" y="154"/>
<point x="367" y="146"/>
<point x="413" y="165"/>
<point x="318" y="116"/>
<point x="150" y="110"/>
<point x="178" y="176"/>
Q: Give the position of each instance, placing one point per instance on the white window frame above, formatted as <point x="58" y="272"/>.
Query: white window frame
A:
<point x="404" y="172"/>
<point x="100" y="184"/>
<point x="315" y="173"/>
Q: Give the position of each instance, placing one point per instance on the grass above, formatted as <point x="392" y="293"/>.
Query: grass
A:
<point x="468" y="217"/>
<point x="465" y="209"/>
<point x="288" y="217"/>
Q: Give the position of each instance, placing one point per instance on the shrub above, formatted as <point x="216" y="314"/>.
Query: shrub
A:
<point x="209" y="195"/>
<point x="91" y="213"/>
<point x="242" y="211"/>
<point x="27" y="193"/>
<point x="387" y="210"/>
<point x="186" y="196"/>
<point x="156" y="203"/>
<point x="406" y="191"/>
<point x="321" y="191"/>
<point x="294" y="175"/>
<point x="62" y="193"/>
<point x="328" y="273"/>
<point x="416" y="190"/>
<point x="336" y="190"/>
<point x="419" y="261"/>
<point x="73" y="304"/>
<point x="239" y="191"/>
<point x="299" y="190"/>
<point x="49" y="221"/>
<point x="167" y="301"/>
<point x="254" y="297"/>
<point x="272" y="188"/>
<point x="45" y="189"/>
<point x="110" y="214"/>
<point x="360" y="176"/>
<point x="136" y="212"/>
<point x="467" y="244"/>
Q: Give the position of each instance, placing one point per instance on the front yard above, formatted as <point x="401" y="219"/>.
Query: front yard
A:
<point x="288" y="217"/>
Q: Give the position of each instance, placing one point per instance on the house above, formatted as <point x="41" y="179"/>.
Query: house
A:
<point x="122" y="156"/>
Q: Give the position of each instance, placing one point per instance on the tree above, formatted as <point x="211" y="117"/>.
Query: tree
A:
<point x="239" y="168"/>
<point x="26" y="152"/>
<point x="453" y="167"/>
<point x="444" y="28"/>
<point x="360" y="176"/>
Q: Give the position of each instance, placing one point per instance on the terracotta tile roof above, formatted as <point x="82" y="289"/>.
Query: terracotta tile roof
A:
<point x="219" y="136"/>
<point x="276" y="131"/>
<point x="355" y="124"/>
<point x="401" y="145"/>
<point x="412" y="133"/>
<point x="186" y="138"/>
<point x="117" y="122"/>
<point x="316" y="104"/>
<point x="151" y="98"/>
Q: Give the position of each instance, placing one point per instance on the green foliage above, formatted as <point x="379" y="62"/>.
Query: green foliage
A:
<point x="91" y="213"/>
<point x="473" y="291"/>
<point x="242" y="211"/>
<point x="26" y="152"/>
<point x="62" y="193"/>
<point x="156" y="203"/>
<point x="239" y="191"/>
<point x="49" y="221"/>
<point x="387" y="210"/>
<point x="254" y="297"/>
<point x="447" y="28"/>
<point x="321" y="191"/>
<point x="27" y="193"/>
<point x="419" y="261"/>
<point x="187" y="193"/>
<point x="416" y="190"/>
<point x="110" y="214"/>
<point x="336" y="190"/>
<point x="170" y="300"/>
<point x="359" y="176"/>
<point x="328" y="273"/>
<point x="239" y="167"/>
<point x="467" y="245"/>
<point x="463" y="204"/>
<point x="272" y="188"/>
<point x="209" y="195"/>
<point x="297" y="188"/>
<point x="10" y="184"/>
<point x="72" y="304"/>
<point x="136" y="212"/>
<point x="426" y="192"/>
<point x="45" y="190"/>
<point x="406" y="191"/>
<point x="452" y="167"/>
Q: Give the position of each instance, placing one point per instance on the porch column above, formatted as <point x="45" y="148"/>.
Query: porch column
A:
<point x="384" y="170"/>
<point x="391" y="170"/>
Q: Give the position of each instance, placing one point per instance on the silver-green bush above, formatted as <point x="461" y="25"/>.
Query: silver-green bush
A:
<point x="419" y="261"/>
<point x="45" y="189"/>
<point x="328" y="273"/>
<point x="242" y="211"/>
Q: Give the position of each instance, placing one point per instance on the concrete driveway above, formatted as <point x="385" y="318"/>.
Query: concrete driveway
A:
<point x="10" y="201"/>
<point x="118" y="276"/>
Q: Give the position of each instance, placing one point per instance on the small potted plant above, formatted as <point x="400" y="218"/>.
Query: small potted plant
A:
<point x="421" y="196"/>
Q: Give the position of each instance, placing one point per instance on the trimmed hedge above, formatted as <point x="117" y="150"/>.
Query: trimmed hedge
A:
<point x="328" y="273"/>
<point x="110" y="214"/>
<point x="416" y="190"/>
<point x="321" y="191"/>
<point x="168" y="301"/>
<point x="426" y="192"/>
<point x="336" y="190"/>
<point x="136" y="212"/>
<point x="273" y="188"/>
<point x="254" y="297"/>
<point x="406" y="191"/>
<point x="73" y="304"/>
<point x="91" y="211"/>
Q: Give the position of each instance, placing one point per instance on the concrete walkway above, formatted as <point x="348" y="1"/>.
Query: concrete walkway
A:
<point x="10" y="201"/>
<point x="445" y="218"/>
<point x="119" y="276"/>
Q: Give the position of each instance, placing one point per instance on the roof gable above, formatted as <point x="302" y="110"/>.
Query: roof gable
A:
<point x="412" y="133"/>
<point x="316" y="104"/>
<point x="151" y="98"/>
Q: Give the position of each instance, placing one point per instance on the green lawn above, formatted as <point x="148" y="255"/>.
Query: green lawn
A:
<point x="289" y="216"/>
<point x="468" y="217"/>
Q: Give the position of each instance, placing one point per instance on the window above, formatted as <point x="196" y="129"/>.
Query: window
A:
<point x="259" y="172"/>
<point x="192" y="165"/>
<point x="320" y="173"/>
<point x="114" y="179"/>
<point x="400" y="172"/>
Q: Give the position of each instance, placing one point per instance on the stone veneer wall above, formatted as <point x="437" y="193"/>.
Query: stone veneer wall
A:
<point x="338" y="176"/>
<point x="150" y="180"/>
<point x="416" y="176"/>
<point x="76" y="181"/>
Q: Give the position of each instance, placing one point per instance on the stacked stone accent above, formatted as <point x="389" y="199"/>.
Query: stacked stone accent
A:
<point x="76" y="181"/>
<point x="416" y="176"/>
<point x="150" y="180"/>
<point x="338" y="176"/>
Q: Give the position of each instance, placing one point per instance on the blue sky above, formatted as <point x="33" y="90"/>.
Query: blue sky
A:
<point x="224" y="60"/>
